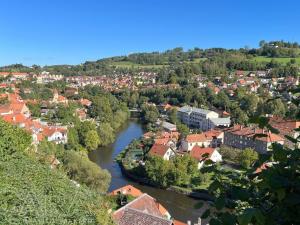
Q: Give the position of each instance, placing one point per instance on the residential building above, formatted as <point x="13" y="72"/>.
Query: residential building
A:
<point x="212" y="138"/>
<point x="201" y="118"/>
<point x="144" y="210"/>
<point x="127" y="190"/>
<point x="59" y="99"/>
<point x="161" y="150"/>
<point x="250" y="137"/>
<point x="56" y="134"/>
<point x="203" y="154"/>
<point x="285" y="127"/>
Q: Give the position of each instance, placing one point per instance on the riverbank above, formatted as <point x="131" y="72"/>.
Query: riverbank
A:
<point x="180" y="206"/>
<point x="201" y="195"/>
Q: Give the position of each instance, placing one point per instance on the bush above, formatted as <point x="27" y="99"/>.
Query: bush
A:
<point x="81" y="169"/>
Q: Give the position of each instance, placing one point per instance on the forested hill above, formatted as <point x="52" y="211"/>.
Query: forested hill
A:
<point x="207" y="61"/>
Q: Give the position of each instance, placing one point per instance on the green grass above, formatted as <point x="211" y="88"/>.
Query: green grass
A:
<point x="126" y="64"/>
<point x="281" y="60"/>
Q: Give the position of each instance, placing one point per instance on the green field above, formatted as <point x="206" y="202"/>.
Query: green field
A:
<point x="126" y="64"/>
<point x="281" y="60"/>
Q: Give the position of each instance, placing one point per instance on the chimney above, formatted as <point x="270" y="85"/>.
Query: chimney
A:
<point x="189" y="222"/>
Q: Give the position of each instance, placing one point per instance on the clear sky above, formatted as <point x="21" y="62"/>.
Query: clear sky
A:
<point x="49" y="32"/>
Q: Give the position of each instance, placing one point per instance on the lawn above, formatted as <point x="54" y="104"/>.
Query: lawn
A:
<point x="281" y="60"/>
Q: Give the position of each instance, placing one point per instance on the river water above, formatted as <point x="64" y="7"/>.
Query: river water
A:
<point x="180" y="206"/>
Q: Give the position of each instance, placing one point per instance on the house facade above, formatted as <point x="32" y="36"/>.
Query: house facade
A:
<point x="161" y="150"/>
<point x="212" y="138"/>
<point x="203" y="154"/>
<point x="248" y="137"/>
<point x="201" y="118"/>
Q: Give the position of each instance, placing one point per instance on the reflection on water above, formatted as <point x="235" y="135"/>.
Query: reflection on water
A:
<point x="180" y="207"/>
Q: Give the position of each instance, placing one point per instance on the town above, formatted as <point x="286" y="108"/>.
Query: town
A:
<point x="182" y="140"/>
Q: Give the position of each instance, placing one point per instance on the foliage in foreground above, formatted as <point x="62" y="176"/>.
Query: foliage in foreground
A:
<point x="32" y="193"/>
<point x="265" y="198"/>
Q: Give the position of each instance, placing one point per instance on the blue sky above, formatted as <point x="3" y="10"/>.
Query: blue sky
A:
<point x="47" y="32"/>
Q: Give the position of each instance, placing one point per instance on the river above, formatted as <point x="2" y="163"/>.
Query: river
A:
<point x="181" y="207"/>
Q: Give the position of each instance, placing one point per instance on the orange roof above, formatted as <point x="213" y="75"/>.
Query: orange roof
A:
<point x="239" y="130"/>
<point x="61" y="98"/>
<point x="3" y="95"/>
<point x="17" y="107"/>
<point x="197" y="138"/>
<point x="5" y="109"/>
<point x="158" y="150"/>
<point x="226" y="113"/>
<point x="264" y="166"/>
<point x="127" y="190"/>
<point x="161" y="141"/>
<point x="212" y="133"/>
<point x="4" y="74"/>
<point x="85" y="102"/>
<point x="49" y="131"/>
<point x="198" y="152"/>
<point x="162" y="209"/>
<point x="177" y="222"/>
<point x="167" y="106"/>
<point x="15" y="118"/>
<point x="285" y="126"/>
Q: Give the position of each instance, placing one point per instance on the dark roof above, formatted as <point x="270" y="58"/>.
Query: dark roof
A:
<point x="137" y="217"/>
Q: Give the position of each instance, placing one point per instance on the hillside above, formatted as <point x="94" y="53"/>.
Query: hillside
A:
<point x="32" y="193"/>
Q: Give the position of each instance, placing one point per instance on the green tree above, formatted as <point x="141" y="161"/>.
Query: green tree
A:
<point x="106" y="133"/>
<point x="13" y="140"/>
<point x="173" y="116"/>
<point x="159" y="170"/>
<point x="276" y="107"/>
<point x="183" y="129"/>
<point x="247" y="157"/>
<point x="81" y="169"/>
<point x="91" y="140"/>
<point x="185" y="169"/>
<point x="259" y="198"/>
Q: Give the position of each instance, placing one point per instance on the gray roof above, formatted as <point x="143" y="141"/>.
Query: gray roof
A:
<point x="186" y="109"/>
<point x="220" y="121"/>
<point x="137" y="217"/>
<point x="168" y="125"/>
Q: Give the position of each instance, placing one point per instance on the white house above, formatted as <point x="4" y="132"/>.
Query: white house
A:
<point x="163" y="151"/>
<point x="203" y="154"/>
<point x="212" y="138"/>
<point x="57" y="135"/>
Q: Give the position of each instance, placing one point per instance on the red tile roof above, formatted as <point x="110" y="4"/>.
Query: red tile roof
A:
<point x="250" y="132"/>
<point x="127" y="190"/>
<point x="158" y="150"/>
<point x="144" y="203"/>
<point x="177" y="222"/>
<point x="199" y="153"/>
<point x="161" y="141"/>
<point x="196" y="138"/>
